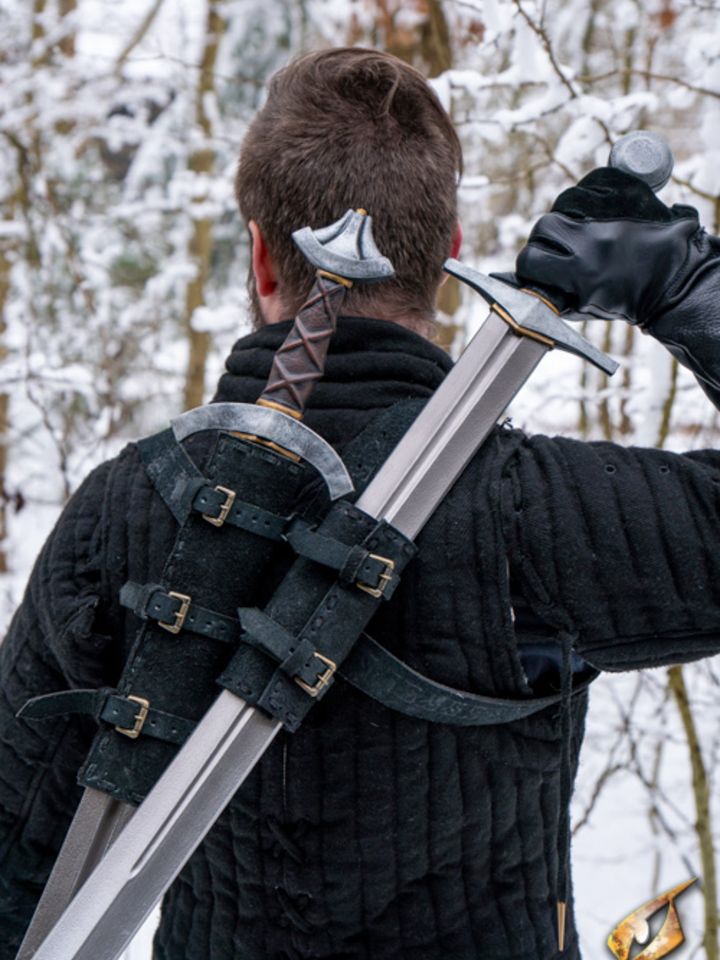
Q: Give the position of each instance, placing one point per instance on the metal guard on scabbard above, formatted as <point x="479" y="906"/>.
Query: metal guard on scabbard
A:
<point x="272" y="425"/>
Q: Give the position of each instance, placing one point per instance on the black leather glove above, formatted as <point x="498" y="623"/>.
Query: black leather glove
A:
<point x="610" y="249"/>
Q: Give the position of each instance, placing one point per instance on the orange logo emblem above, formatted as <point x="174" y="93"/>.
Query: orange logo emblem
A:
<point x="635" y="927"/>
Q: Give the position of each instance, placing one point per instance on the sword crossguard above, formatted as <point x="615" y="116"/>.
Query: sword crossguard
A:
<point x="529" y="316"/>
<point x="345" y="249"/>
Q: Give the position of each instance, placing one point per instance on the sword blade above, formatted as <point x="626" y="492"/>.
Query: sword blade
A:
<point x="162" y="833"/>
<point x="232" y="736"/>
<point x="452" y="426"/>
<point x="97" y="821"/>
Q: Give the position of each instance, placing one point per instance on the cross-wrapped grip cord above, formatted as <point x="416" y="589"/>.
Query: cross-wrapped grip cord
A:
<point x="300" y="361"/>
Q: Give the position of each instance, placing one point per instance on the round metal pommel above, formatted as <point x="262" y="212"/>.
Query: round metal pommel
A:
<point x="346" y="248"/>
<point x="644" y="155"/>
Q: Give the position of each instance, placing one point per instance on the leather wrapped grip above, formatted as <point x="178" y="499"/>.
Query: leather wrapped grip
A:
<point x="300" y="360"/>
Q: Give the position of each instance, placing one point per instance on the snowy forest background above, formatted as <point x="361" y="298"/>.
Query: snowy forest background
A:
<point x="122" y="288"/>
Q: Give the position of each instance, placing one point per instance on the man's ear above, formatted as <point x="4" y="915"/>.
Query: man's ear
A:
<point x="454" y="248"/>
<point x="456" y="240"/>
<point x="262" y="264"/>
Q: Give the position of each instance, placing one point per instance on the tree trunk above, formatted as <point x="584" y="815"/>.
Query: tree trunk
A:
<point x="67" y="44"/>
<point x="435" y="42"/>
<point x="202" y="161"/>
<point x="5" y="267"/>
<point x="703" y="822"/>
<point x="429" y="48"/>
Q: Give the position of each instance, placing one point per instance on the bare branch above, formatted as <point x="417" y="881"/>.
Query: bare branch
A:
<point x="540" y="31"/>
<point x="600" y="783"/>
<point x="648" y="75"/>
<point x="696" y="190"/>
<point x="139" y="34"/>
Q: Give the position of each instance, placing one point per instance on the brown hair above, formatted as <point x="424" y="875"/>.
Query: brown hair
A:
<point x="350" y="127"/>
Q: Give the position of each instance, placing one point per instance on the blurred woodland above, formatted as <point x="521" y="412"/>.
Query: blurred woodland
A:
<point x="122" y="286"/>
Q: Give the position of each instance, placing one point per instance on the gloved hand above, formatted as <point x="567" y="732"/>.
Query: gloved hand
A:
<point x="610" y="248"/>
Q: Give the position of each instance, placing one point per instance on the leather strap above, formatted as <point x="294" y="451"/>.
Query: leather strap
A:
<point x="176" y="612"/>
<point x="380" y="675"/>
<point x="297" y="655"/>
<point x="355" y="564"/>
<point x="128" y="714"/>
<point x="220" y="505"/>
<point x="184" y="488"/>
<point x="370" y="668"/>
<point x="313" y="619"/>
<point x="171" y="472"/>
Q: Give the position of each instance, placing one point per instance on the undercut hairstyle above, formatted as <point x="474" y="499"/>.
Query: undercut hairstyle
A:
<point x="354" y="128"/>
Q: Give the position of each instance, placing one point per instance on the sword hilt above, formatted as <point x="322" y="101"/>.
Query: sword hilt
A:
<point x="344" y="254"/>
<point x="533" y="311"/>
<point x="529" y="316"/>
<point x="300" y="360"/>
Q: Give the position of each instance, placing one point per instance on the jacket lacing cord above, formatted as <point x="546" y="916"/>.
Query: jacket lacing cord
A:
<point x="292" y="906"/>
<point x="567" y="639"/>
<point x="288" y="845"/>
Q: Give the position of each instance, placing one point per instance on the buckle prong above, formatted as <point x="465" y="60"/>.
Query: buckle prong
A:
<point x="180" y="615"/>
<point x="384" y="578"/>
<point x="322" y="681"/>
<point x="225" y="509"/>
<point x="134" y="732"/>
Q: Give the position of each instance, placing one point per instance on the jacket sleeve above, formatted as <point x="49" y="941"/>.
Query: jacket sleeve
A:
<point x="621" y="546"/>
<point x="687" y="322"/>
<point x="51" y="645"/>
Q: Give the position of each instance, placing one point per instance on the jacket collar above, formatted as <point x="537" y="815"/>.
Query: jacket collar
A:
<point x="370" y="365"/>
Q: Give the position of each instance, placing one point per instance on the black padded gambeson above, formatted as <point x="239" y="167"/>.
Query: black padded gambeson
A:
<point x="368" y="835"/>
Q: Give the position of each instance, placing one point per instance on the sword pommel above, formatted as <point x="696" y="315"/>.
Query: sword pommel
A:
<point x="529" y="316"/>
<point x="346" y="249"/>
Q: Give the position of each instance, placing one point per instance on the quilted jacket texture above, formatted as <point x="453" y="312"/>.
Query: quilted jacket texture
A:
<point x="369" y="835"/>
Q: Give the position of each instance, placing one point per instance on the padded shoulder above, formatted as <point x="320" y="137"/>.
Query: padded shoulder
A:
<point x="620" y="544"/>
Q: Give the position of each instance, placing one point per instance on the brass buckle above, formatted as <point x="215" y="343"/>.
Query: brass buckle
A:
<point x="185" y="602"/>
<point x="140" y="717"/>
<point x="225" y="509"/>
<point x="323" y="680"/>
<point x="385" y="577"/>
